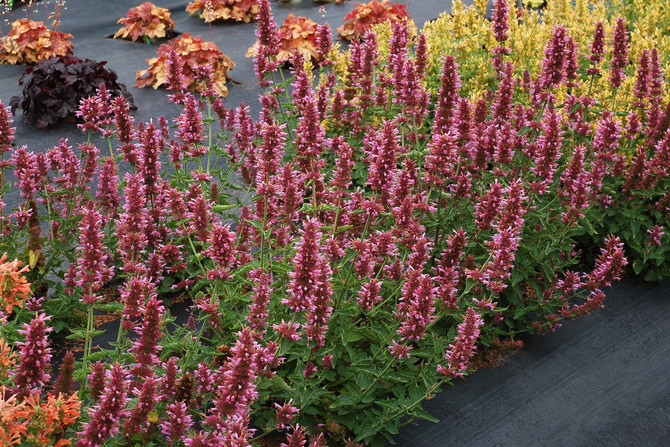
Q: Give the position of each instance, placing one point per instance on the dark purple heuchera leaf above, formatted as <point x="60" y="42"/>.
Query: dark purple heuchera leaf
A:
<point x="53" y="88"/>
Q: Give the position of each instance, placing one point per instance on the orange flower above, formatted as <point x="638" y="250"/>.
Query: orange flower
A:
<point x="46" y="419"/>
<point x="11" y="428"/>
<point x="14" y="289"/>
<point x="7" y="358"/>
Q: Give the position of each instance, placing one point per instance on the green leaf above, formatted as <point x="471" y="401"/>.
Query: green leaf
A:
<point x="368" y="431"/>
<point x="280" y="267"/>
<point x="221" y="208"/>
<point x="58" y="325"/>
<point x="548" y="271"/>
<point x="81" y="334"/>
<point x="344" y="400"/>
<point x="278" y="383"/>
<point x="518" y="312"/>
<point x="524" y="130"/>
<point x="422" y="414"/>
<point x="574" y="108"/>
<point x="350" y="336"/>
<point x="109" y="307"/>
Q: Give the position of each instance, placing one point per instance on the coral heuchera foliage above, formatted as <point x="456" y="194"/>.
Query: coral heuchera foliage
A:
<point x="212" y="10"/>
<point x="29" y="42"/>
<point x="191" y="52"/>
<point x="296" y="34"/>
<point x="146" y="20"/>
<point x="365" y="15"/>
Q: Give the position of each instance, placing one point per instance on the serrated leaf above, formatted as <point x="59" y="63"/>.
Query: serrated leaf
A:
<point x="109" y="307"/>
<point x="76" y="335"/>
<point x="222" y="208"/>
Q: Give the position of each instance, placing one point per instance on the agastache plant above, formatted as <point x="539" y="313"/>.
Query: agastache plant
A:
<point x="352" y="248"/>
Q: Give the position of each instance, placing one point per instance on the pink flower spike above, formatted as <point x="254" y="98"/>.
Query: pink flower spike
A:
<point x="459" y="354"/>
<point x="555" y="59"/>
<point x="92" y="267"/>
<point x="416" y="309"/>
<point x="35" y="355"/>
<point x="285" y="414"/>
<point x="258" y="310"/>
<point x="655" y="235"/>
<point x="500" y="17"/>
<point x="138" y="420"/>
<point x="288" y="330"/>
<point x="619" y="52"/>
<point x="237" y="390"/>
<point x="104" y="418"/>
<point x="296" y="439"/>
<point x="310" y="286"/>
<point x="6" y="129"/>
<point x="400" y="351"/>
<point x="608" y="265"/>
<point x="146" y="347"/>
<point x="178" y="423"/>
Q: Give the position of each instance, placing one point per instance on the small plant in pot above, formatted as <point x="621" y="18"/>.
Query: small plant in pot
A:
<point x="29" y="42"/>
<point x="146" y="21"/>
<point x="53" y="89"/>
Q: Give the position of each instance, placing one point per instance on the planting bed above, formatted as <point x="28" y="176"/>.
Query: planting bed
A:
<point x="598" y="380"/>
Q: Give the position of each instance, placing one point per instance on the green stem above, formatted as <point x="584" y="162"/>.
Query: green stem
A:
<point x="406" y="409"/>
<point x="87" y="348"/>
<point x="346" y="278"/>
<point x="119" y="334"/>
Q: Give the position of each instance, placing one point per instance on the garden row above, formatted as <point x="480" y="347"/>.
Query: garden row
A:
<point x="406" y="202"/>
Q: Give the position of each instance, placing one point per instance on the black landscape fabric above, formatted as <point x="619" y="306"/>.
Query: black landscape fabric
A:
<point x="602" y="380"/>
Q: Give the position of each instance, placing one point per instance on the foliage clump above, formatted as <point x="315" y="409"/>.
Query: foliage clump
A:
<point x="29" y="42"/>
<point x="146" y="21"/>
<point x="366" y="15"/>
<point x="297" y="34"/>
<point x="53" y="88"/>
<point x="213" y="10"/>
<point x="193" y="53"/>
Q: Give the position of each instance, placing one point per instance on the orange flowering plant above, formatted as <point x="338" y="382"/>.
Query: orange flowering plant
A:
<point x="12" y="427"/>
<point x="146" y="21"/>
<point x="193" y="53"/>
<point x="32" y="421"/>
<point x="296" y="34"/>
<point x="27" y="417"/>
<point x="29" y="42"/>
<point x="7" y="360"/>
<point x="212" y="10"/>
<point x="47" y="421"/>
<point x="365" y="15"/>
<point x="14" y="289"/>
